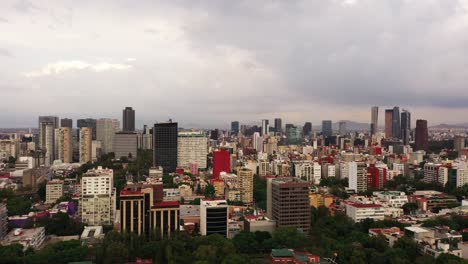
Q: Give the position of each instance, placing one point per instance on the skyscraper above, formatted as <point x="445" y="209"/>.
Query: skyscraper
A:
<point x="128" y="119"/>
<point x="374" y="120"/>
<point x="85" y="144"/>
<point x="54" y="120"/>
<point x="265" y="127"/>
<point x="327" y="128"/>
<point x="47" y="141"/>
<point x="105" y="132"/>
<point x="421" y="135"/>
<point x="235" y="127"/>
<point x="307" y="129"/>
<point x="63" y="144"/>
<point x="192" y="147"/>
<point x="66" y="122"/>
<point x="342" y="128"/>
<point x="293" y="134"/>
<point x="278" y="125"/>
<point x="214" y="134"/>
<point x="165" y="146"/>
<point x="388" y="123"/>
<point x="405" y="126"/>
<point x="245" y="181"/>
<point x="88" y="122"/>
<point x="396" y="131"/>
<point x="257" y="142"/>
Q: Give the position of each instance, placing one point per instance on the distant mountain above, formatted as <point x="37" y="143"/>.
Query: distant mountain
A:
<point x="462" y="125"/>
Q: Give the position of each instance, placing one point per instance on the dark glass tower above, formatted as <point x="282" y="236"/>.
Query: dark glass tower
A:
<point x="278" y="125"/>
<point x="66" y="122"/>
<point x="88" y="122"/>
<point x="307" y="129"/>
<point x="396" y="130"/>
<point x="327" y="128"/>
<point x="405" y="126"/>
<point x="165" y="146"/>
<point x="235" y="127"/>
<point x="128" y="117"/>
<point x="421" y="135"/>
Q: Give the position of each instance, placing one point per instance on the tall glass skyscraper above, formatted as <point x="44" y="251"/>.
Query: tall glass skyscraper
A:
<point x="405" y="126"/>
<point x="165" y="146"/>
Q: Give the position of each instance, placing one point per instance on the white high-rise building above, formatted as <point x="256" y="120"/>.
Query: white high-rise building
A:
<point x="357" y="176"/>
<point x="309" y="171"/>
<point x="263" y="168"/>
<point x="105" y="132"/>
<point x="265" y="128"/>
<point x="47" y="141"/>
<point x="214" y="217"/>
<point x="63" y="144"/>
<point x="192" y="147"/>
<point x="462" y="177"/>
<point x="258" y="142"/>
<point x="98" y="202"/>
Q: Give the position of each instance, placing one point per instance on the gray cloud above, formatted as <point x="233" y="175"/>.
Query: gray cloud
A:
<point x="5" y="53"/>
<point x="212" y="61"/>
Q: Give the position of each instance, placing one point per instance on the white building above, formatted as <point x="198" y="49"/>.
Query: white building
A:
<point x="263" y="168"/>
<point x="400" y="167"/>
<point x="359" y="212"/>
<point x="105" y="132"/>
<point x="435" y="173"/>
<point x="98" y="202"/>
<point x="192" y="147"/>
<point x="357" y="172"/>
<point x="462" y="177"/>
<point x="257" y="142"/>
<point x="54" y="190"/>
<point x="47" y="141"/>
<point x="28" y="238"/>
<point x="392" y="198"/>
<point x="310" y="171"/>
<point x="214" y="217"/>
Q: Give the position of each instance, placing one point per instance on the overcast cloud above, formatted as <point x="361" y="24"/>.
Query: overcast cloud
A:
<point x="205" y="63"/>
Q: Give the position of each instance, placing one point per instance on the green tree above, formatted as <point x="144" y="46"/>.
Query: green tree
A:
<point x="289" y="237"/>
<point x="19" y="205"/>
<point x="246" y="243"/>
<point x="116" y="252"/>
<point x="209" y="191"/>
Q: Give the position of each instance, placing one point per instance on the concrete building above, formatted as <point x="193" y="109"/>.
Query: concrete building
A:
<point x="374" y="120"/>
<point x="245" y="181"/>
<point x="213" y="217"/>
<point x="192" y="147"/>
<point x="309" y="171"/>
<point x="29" y="238"/>
<point x="327" y="130"/>
<point x="357" y="175"/>
<point x="54" y="191"/>
<point x="98" y="198"/>
<point x="66" y="122"/>
<point x="85" y="144"/>
<point x="462" y="177"/>
<point x="253" y="223"/>
<point x="290" y="203"/>
<point x="358" y="212"/>
<point x="64" y="144"/>
<point x="125" y="145"/>
<point x="435" y="173"/>
<point x="106" y="129"/>
<point x="96" y="150"/>
<point x="47" y="141"/>
<point x="88" y="122"/>
<point x="257" y="142"/>
<point x="128" y="119"/>
<point x="265" y="127"/>
<point x="165" y="137"/>
<point x="459" y="143"/>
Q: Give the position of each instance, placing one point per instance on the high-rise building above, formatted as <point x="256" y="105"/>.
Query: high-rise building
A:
<point x="265" y="127"/>
<point x="342" y="128"/>
<point x="214" y="134"/>
<point x="54" y="120"/>
<point x="146" y="138"/>
<point x="85" y="144"/>
<point x="374" y="120"/>
<point x="278" y="125"/>
<point x="396" y="130"/>
<point x="421" y="137"/>
<point x="47" y="141"/>
<point x="405" y="126"/>
<point x="98" y="203"/>
<point x="128" y="119"/>
<point x="290" y="203"/>
<point x="63" y="144"/>
<point x="88" y="122"/>
<point x="192" y="147"/>
<point x="257" y="142"/>
<point x="221" y="162"/>
<point x="245" y="181"/>
<point x="54" y="191"/>
<point x="165" y="146"/>
<point x="459" y="143"/>
<point x="327" y="128"/>
<point x="357" y="176"/>
<point x="307" y="129"/>
<point x="293" y="134"/>
<point x="388" y="123"/>
<point x="125" y="144"/>
<point x="376" y="177"/>
<point x="235" y="128"/>
<point x="214" y="217"/>
<point x="66" y="122"/>
<point x="106" y="129"/>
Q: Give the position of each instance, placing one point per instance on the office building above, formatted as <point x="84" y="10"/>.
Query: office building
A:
<point x="342" y="128"/>
<point x="359" y="212"/>
<point x="106" y="129"/>
<point x="308" y="171"/>
<point x="388" y="123"/>
<point x="54" y="191"/>
<point x="374" y="120"/>
<point x="245" y="182"/>
<point x="64" y="144"/>
<point x="66" y="122"/>
<point x="98" y="197"/>
<point x="396" y="130"/>
<point x="376" y="177"/>
<point x="458" y="143"/>
<point x="405" y="126"/>
<point x="125" y="145"/>
<point x="221" y="162"/>
<point x="462" y="177"/>
<point x="214" y="134"/>
<point x="235" y="128"/>
<point x="165" y="217"/>
<point x="192" y="147"/>
<point x="278" y="125"/>
<point x="421" y="135"/>
<point x="307" y="129"/>
<point x="214" y="217"/>
<point x="88" y="122"/>
<point x="257" y="142"/>
<point x="290" y="203"/>
<point x="47" y="141"/>
<point x="85" y="144"/>
<point x="165" y="136"/>
<point x="128" y="119"/>
<point x="3" y="220"/>
<point x="146" y="138"/>
<point x="357" y="176"/>
<point x="265" y="127"/>
<point x="327" y="128"/>
<point x="54" y="120"/>
<point x="293" y="134"/>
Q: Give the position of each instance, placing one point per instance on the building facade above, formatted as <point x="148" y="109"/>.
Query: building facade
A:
<point x="128" y="119"/>
<point x="85" y="144"/>
<point x="106" y="129"/>
<point x="165" y="146"/>
<point x="192" y="147"/>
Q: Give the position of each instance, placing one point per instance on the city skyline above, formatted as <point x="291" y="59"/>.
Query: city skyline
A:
<point x="59" y="57"/>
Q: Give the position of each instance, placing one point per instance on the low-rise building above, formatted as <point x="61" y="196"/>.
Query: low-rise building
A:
<point x="253" y="223"/>
<point x="29" y="238"/>
<point x="391" y="234"/>
<point x="54" y="190"/>
<point x="359" y="211"/>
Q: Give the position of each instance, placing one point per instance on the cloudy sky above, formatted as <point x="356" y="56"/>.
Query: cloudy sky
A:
<point x="205" y="63"/>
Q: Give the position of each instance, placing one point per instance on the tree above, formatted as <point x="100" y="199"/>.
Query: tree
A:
<point x="409" y="247"/>
<point x="19" y="205"/>
<point x="246" y="243"/>
<point x="209" y="191"/>
<point x="116" y="252"/>
<point x="410" y="208"/>
<point x="289" y="237"/>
